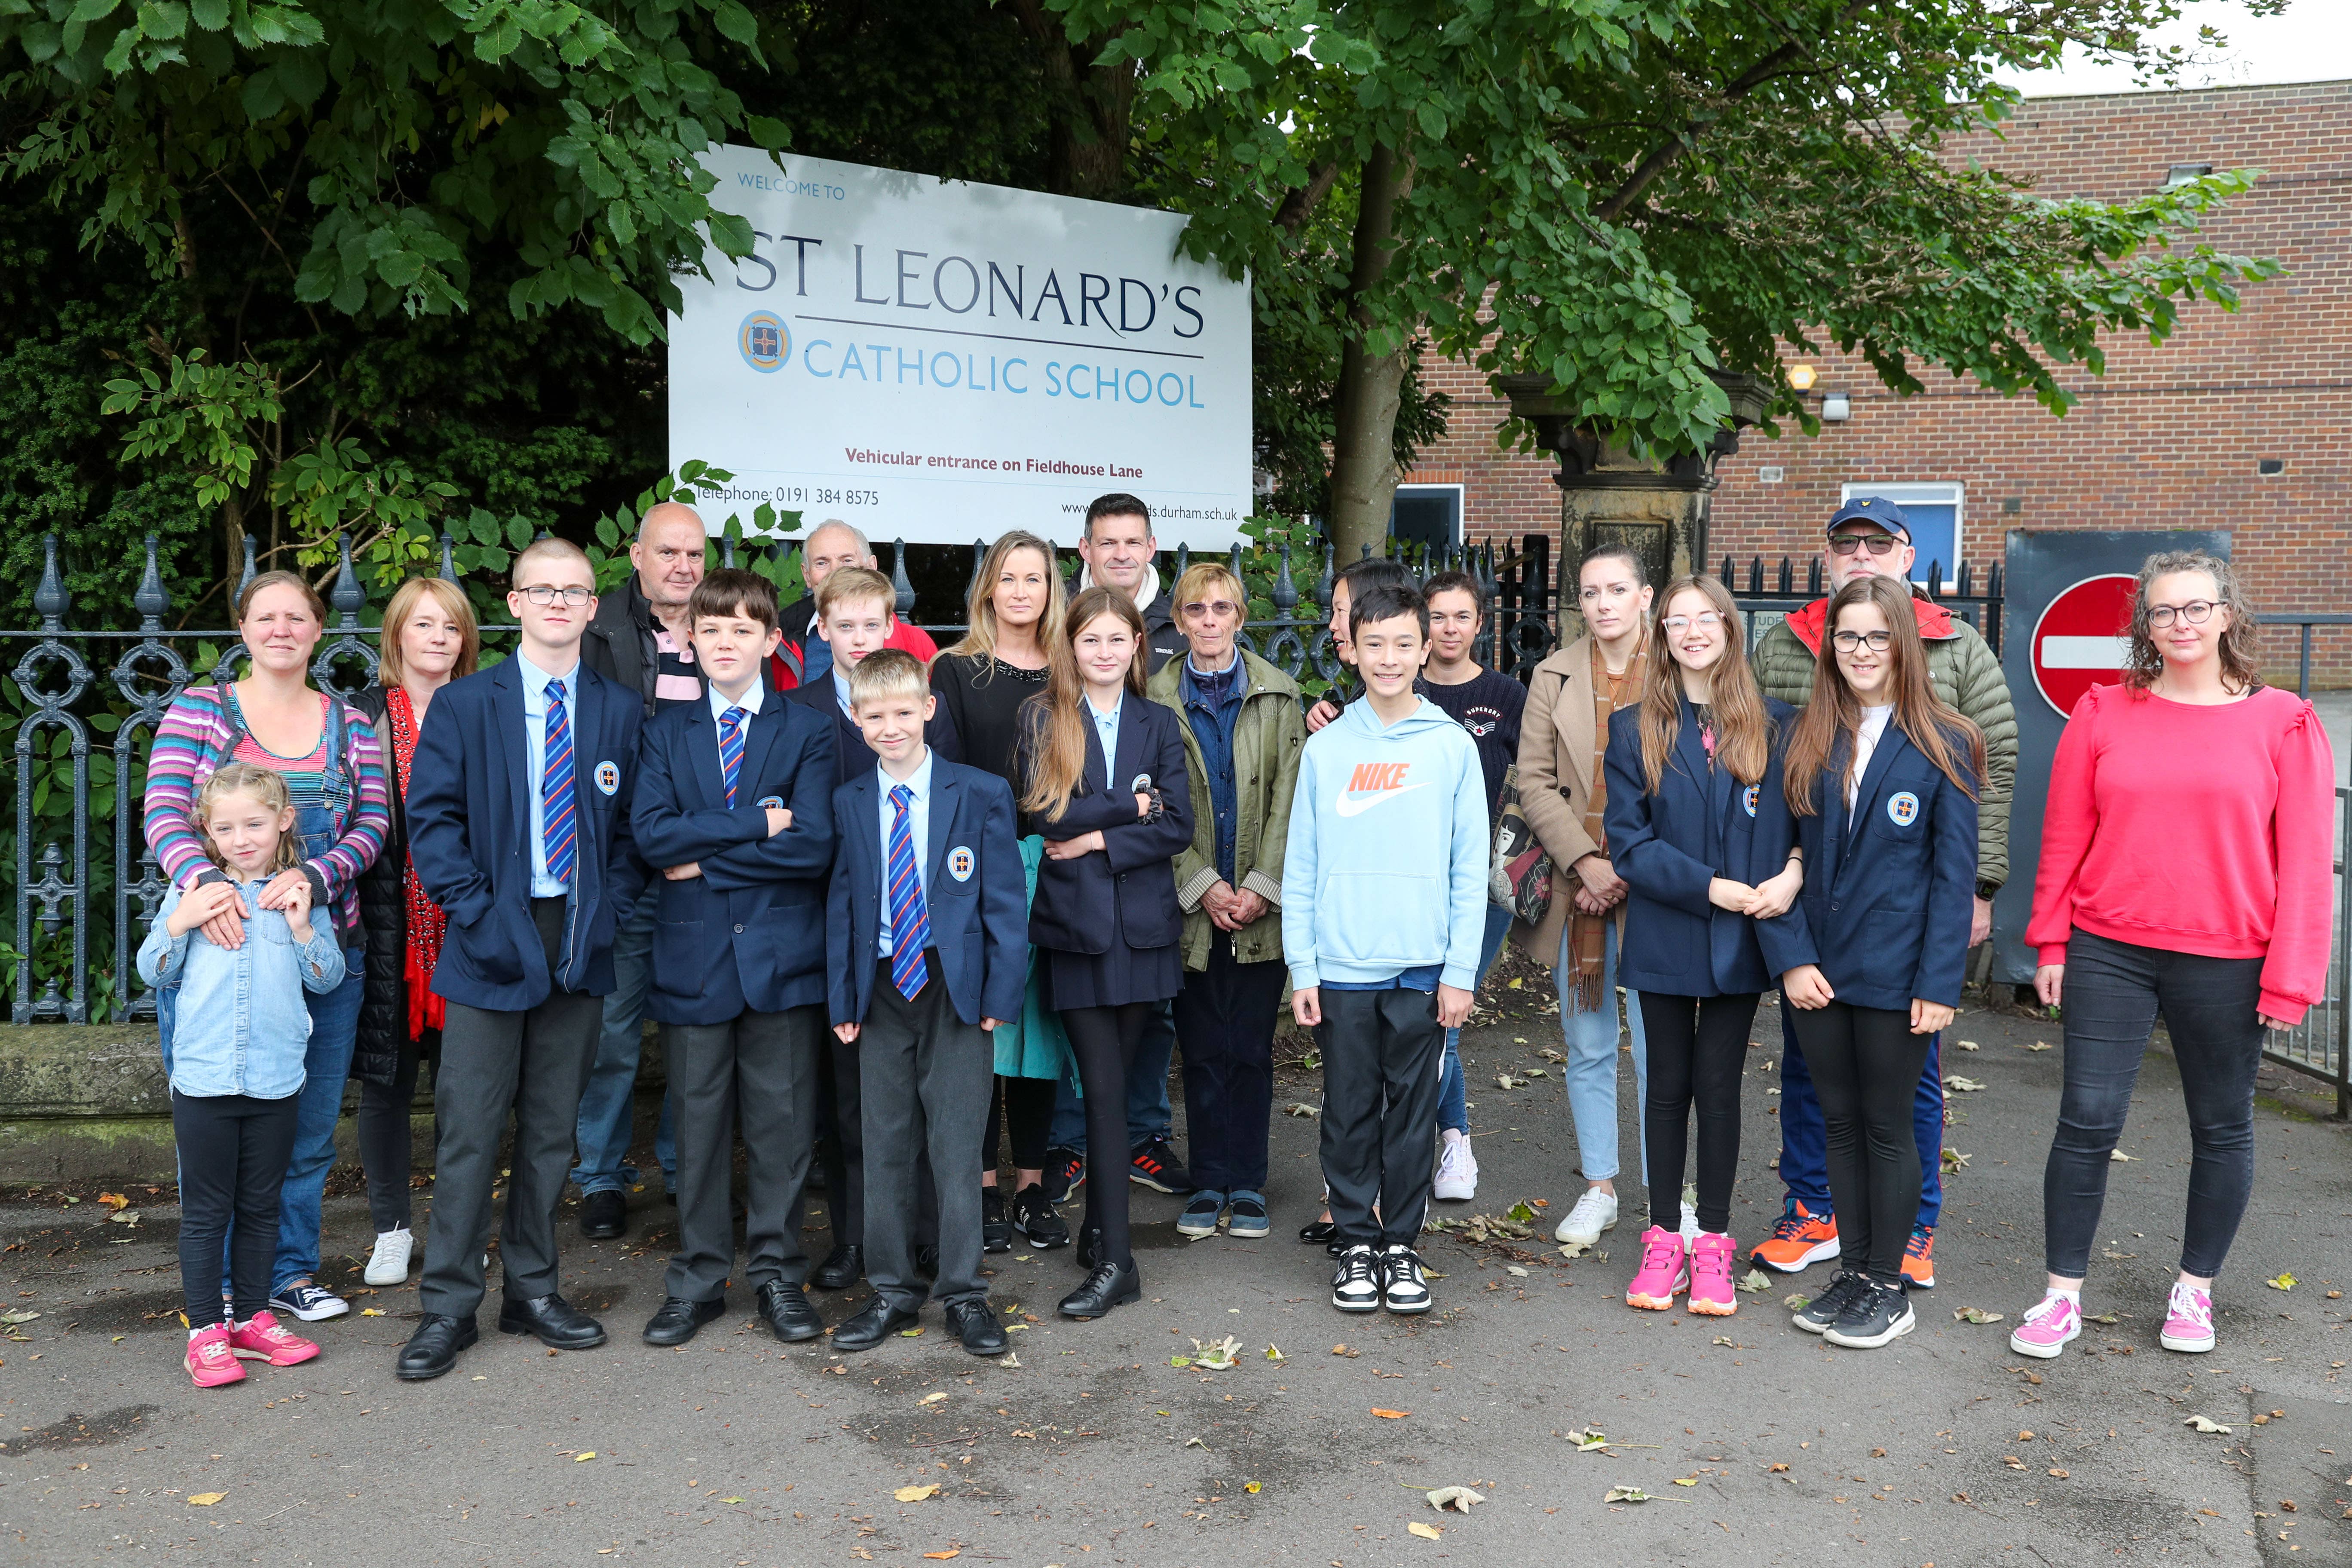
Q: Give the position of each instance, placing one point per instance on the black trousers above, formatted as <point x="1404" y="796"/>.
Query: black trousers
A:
<point x="385" y="1138"/>
<point x="1105" y="1039"/>
<point x="527" y="1067"/>
<point x="1866" y="1064"/>
<point x="1698" y="1048"/>
<point x="1025" y="1105"/>
<point x="758" y="1071"/>
<point x="1383" y="1055"/>
<point x="233" y="1151"/>
<point x="1225" y="1017"/>
<point x="926" y="1076"/>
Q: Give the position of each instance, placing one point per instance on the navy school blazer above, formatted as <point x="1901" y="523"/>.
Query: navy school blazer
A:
<point x="1890" y="894"/>
<point x="851" y="754"/>
<point x="1702" y="823"/>
<point x="1129" y="889"/>
<point x="468" y="807"/>
<point x="975" y="894"/>
<point x="748" y="932"/>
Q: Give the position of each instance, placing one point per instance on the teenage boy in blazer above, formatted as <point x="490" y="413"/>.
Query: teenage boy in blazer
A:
<point x="927" y="943"/>
<point x="856" y="616"/>
<point x="518" y="826"/>
<point x="734" y="805"/>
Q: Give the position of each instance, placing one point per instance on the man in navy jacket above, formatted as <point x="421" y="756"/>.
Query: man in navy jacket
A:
<point x="734" y="804"/>
<point x="519" y="825"/>
<point x="927" y="943"/>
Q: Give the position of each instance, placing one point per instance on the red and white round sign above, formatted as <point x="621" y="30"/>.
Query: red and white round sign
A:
<point x="2081" y="638"/>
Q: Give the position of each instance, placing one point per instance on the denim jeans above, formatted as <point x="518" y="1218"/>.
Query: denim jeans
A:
<point x="1592" y="1069"/>
<point x="1148" y="1110"/>
<point x="607" y="1104"/>
<point x="1453" y="1091"/>
<point x="334" y="1030"/>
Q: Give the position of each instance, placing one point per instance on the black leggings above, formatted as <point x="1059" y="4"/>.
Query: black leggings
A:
<point x="233" y="1151"/>
<point x="1024" y="1107"/>
<point x="1698" y="1048"/>
<point x="1865" y="1063"/>
<point x="1105" y="1039"/>
<point x="385" y="1139"/>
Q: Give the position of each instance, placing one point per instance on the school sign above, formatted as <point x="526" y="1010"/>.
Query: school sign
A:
<point x="941" y="361"/>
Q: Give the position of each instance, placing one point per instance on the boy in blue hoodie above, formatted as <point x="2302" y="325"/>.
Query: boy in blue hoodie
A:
<point x="1387" y="842"/>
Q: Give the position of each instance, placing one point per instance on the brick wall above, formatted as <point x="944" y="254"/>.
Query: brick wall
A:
<point x="2169" y="437"/>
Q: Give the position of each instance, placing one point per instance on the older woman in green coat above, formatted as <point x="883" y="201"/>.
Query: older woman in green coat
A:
<point x="1243" y="732"/>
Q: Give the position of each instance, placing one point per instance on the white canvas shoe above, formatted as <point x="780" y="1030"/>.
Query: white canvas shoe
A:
<point x="1457" y="1172"/>
<point x="1595" y="1211"/>
<point x="388" y="1264"/>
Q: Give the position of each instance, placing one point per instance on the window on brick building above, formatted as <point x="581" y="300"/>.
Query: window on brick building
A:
<point x="1429" y="513"/>
<point x="1935" y="513"/>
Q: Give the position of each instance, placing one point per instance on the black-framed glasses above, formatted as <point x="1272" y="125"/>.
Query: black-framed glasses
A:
<point x="2196" y="612"/>
<point x="541" y="594"/>
<point x="1879" y="544"/>
<point x="1878" y="642"/>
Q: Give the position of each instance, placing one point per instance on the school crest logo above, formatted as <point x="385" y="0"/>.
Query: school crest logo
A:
<point x="960" y="863"/>
<point x="608" y="776"/>
<point x="1748" y="797"/>
<point x="1903" y="810"/>
<point x="763" y="342"/>
<point x="772" y="803"/>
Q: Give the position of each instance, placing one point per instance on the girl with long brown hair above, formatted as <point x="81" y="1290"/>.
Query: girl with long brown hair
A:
<point x="1700" y="832"/>
<point x="1882" y="777"/>
<point x="1105" y="784"/>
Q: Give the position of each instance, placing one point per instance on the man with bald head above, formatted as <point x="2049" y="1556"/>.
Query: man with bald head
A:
<point x="639" y="641"/>
<point x="802" y="657"/>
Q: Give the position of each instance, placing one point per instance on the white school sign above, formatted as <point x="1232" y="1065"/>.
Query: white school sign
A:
<point x="939" y="362"/>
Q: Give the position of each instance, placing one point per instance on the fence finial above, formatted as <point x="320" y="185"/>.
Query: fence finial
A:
<point x="150" y="600"/>
<point x="348" y="598"/>
<point x="906" y="589"/>
<point x="251" y="569"/>
<point x="1286" y="591"/>
<point x="448" y="559"/>
<point x="51" y="598"/>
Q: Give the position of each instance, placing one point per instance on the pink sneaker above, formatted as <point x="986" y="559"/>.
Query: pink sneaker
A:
<point x="210" y="1362"/>
<point x="1662" y="1275"/>
<point x="1712" y="1294"/>
<point x="2050" y="1323"/>
<point x="259" y="1338"/>
<point x="2187" y="1321"/>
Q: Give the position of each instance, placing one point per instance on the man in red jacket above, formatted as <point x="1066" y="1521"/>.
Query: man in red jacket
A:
<point x="802" y="656"/>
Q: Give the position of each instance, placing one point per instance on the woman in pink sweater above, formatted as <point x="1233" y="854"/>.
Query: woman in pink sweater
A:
<point x="2186" y="871"/>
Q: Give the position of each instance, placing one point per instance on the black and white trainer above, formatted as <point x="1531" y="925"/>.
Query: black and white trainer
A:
<point x="1872" y="1320"/>
<point x="1819" y="1314"/>
<point x="1404" y="1286"/>
<point x="1356" y="1282"/>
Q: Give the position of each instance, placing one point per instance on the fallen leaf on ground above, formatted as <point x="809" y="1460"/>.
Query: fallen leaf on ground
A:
<point x="1426" y="1532"/>
<point x="730" y="1499"/>
<point x="1504" y="1080"/>
<point x="1521" y="1213"/>
<point x="19" y="1316"/>
<point x="1976" y="1315"/>
<point x="1343" y="1349"/>
<point x="2059" y="1473"/>
<point x="1536" y="1072"/>
<point x="2107" y="1318"/>
<point x="2282" y="1282"/>
<point x="1796" y="1301"/>
<point x="943" y="1556"/>
<point x="933" y="1397"/>
<point x="1725" y="1341"/>
<point x="1010" y="1361"/>
<point x="1195" y="1443"/>
<point x="1300" y="1108"/>
<point x="2118" y="1157"/>
<point x="114" y="1200"/>
<point x="1965" y="1044"/>
<point x="1626" y="1494"/>
<point x="205" y="1500"/>
<point x="1754" y="1280"/>
<point x="1180" y="1360"/>
<point x="1253" y="1488"/>
<point x="1458" y="1498"/>
<point x="1551" y="1056"/>
<point x="1685" y="1480"/>
<point x="581" y="1459"/>
<point x="1959" y="1085"/>
<point x="2040" y="1045"/>
<point x="2206" y="1424"/>
<point x="1390" y="1414"/>
<point x="371" y="1311"/>
<point x="1573" y="1248"/>
<point x="1274" y="1352"/>
<point x="1589" y="1439"/>
<point x="1217" y="1354"/>
<point x="910" y="1333"/>
<point x="1514" y="1270"/>
<point x="1954" y="1160"/>
<point x="917" y="1494"/>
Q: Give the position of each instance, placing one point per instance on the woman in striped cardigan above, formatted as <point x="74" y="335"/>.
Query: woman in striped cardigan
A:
<point x="332" y="762"/>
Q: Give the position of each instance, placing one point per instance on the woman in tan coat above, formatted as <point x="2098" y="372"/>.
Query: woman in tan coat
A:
<point x="1561" y="739"/>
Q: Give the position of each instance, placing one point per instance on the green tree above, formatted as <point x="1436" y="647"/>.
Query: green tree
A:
<point x="1627" y="195"/>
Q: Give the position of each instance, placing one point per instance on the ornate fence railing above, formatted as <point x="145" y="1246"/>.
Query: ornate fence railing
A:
<point x="86" y="703"/>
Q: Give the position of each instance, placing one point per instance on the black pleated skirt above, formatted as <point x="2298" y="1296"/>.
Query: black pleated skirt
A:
<point x="1114" y="978"/>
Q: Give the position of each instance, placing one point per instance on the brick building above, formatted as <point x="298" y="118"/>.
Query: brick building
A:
<point x="2241" y="421"/>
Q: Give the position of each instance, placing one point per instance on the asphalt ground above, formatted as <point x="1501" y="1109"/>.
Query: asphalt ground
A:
<point x="1754" y="1443"/>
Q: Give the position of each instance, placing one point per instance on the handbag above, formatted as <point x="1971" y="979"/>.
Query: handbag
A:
<point x="1520" y="876"/>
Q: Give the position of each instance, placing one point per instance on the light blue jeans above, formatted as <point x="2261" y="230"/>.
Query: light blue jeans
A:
<point x="607" y="1104"/>
<point x="1452" y="1089"/>
<point x="1591" y="1070"/>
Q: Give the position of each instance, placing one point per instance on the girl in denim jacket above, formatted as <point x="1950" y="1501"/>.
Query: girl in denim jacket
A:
<point x="236" y="1065"/>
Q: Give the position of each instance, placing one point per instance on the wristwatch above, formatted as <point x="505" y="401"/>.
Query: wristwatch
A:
<point x="1986" y="890"/>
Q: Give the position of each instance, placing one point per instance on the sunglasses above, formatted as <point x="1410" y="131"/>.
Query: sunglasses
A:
<point x="1879" y="544"/>
<point x="1219" y="608"/>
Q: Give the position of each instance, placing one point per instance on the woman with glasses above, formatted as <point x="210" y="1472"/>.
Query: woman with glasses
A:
<point x="1699" y="829"/>
<point x="1882" y="777"/>
<point x="2186" y="852"/>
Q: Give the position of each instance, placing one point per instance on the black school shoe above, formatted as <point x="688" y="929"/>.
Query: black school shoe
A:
<point x="840" y="1268"/>
<point x="679" y="1320"/>
<point x="1874" y="1316"/>
<point x="995" y="1227"/>
<point x="604" y="1215"/>
<point x="1034" y="1217"/>
<point x="1066" y="1173"/>
<point x="974" y="1323"/>
<point x="1107" y="1286"/>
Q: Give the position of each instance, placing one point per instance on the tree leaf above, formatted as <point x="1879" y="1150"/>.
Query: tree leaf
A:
<point x="1460" y="1499"/>
<point x="205" y="1499"/>
<point x="1426" y="1532"/>
<point x="917" y="1494"/>
<point x="1626" y="1494"/>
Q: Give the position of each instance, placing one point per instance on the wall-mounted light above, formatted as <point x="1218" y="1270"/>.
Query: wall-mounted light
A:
<point x="1802" y="376"/>
<point x="1836" y="409"/>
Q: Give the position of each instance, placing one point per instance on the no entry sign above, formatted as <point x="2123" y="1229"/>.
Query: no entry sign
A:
<point x="2079" y="641"/>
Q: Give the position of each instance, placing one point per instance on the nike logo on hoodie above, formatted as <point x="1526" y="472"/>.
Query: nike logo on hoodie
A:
<point x="1372" y="783"/>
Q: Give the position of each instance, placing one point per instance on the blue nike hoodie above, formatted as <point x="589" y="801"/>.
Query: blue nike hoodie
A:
<point x="1385" y="868"/>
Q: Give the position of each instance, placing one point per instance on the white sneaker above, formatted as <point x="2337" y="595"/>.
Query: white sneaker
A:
<point x="1595" y="1211"/>
<point x="1356" y="1281"/>
<point x="1403" y="1287"/>
<point x="1457" y="1171"/>
<point x="388" y="1264"/>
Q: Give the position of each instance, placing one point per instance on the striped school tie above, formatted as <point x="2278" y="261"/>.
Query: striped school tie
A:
<point x="730" y="749"/>
<point x="559" y="830"/>
<point x="910" y="926"/>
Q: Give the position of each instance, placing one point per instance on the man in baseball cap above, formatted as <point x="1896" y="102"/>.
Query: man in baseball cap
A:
<point x="1869" y="536"/>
